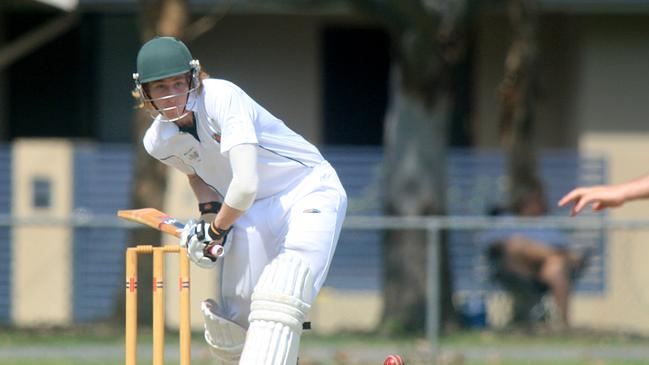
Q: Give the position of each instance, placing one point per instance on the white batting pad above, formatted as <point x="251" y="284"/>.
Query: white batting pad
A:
<point x="280" y="302"/>
<point x="225" y="337"/>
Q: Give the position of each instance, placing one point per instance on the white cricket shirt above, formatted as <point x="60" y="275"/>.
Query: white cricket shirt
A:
<point x="225" y="117"/>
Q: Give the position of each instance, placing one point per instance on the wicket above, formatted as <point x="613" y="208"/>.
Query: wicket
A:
<point x="158" y="303"/>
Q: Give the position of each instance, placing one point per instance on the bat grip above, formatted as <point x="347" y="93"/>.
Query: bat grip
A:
<point x="213" y="251"/>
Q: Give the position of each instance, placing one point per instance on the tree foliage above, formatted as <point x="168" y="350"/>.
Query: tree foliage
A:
<point x="427" y="43"/>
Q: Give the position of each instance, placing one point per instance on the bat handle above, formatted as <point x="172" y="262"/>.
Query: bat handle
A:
<point x="215" y="250"/>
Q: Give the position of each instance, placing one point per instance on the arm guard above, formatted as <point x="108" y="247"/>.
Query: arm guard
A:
<point x="243" y="187"/>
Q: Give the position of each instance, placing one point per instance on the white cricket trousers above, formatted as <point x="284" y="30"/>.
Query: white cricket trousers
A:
<point x="304" y="221"/>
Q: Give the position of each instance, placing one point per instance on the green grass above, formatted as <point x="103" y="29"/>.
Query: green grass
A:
<point x="106" y="334"/>
<point x="571" y="362"/>
<point x="206" y="362"/>
<point x="97" y="334"/>
<point x="341" y="345"/>
<point x="574" y="338"/>
<point x="87" y="362"/>
<point x="487" y="338"/>
<point x="211" y="362"/>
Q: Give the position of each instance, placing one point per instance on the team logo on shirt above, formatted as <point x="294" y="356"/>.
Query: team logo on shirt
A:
<point x="192" y="155"/>
<point x="216" y="137"/>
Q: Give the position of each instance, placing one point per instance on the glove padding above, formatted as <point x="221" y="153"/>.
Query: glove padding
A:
<point x="203" y="245"/>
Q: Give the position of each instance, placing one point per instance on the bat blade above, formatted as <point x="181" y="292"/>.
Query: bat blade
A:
<point x="154" y="219"/>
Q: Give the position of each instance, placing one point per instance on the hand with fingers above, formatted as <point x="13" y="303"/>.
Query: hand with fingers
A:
<point x="600" y="197"/>
<point x="204" y="243"/>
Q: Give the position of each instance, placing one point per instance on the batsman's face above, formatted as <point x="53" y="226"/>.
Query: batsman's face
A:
<point x="169" y="95"/>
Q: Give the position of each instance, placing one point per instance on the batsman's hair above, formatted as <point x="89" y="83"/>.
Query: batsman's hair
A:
<point x="139" y="98"/>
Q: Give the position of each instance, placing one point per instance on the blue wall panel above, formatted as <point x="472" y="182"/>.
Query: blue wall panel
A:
<point x="357" y="261"/>
<point x="477" y="182"/>
<point x="5" y="234"/>
<point x="102" y="185"/>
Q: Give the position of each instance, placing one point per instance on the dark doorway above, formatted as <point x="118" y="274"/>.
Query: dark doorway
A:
<point x="49" y="90"/>
<point x="356" y="66"/>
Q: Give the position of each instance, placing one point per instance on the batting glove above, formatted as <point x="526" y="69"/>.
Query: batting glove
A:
<point x="204" y="243"/>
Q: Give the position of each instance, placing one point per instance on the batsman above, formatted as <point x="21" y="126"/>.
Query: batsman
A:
<point x="268" y="201"/>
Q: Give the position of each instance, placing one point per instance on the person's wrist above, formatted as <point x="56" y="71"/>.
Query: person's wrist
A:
<point x="209" y="207"/>
<point x="216" y="233"/>
<point x="626" y="192"/>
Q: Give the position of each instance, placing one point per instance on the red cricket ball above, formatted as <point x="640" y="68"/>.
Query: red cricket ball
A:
<point x="393" y="360"/>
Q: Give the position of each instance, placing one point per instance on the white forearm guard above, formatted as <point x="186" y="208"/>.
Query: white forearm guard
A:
<point x="280" y="303"/>
<point x="243" y="187"/>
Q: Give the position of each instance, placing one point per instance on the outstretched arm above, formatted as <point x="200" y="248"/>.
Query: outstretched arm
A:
<point x="606" y="196"/>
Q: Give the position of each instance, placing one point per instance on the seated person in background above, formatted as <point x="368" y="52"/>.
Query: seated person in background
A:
<point x="529" y="262"/>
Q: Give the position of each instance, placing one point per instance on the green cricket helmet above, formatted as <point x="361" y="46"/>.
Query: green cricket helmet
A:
<point x="164" y="57"/>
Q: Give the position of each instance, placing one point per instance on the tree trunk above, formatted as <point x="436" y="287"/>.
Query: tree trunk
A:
<point x="426" y="47"/>
<point x="518" y="97"/>
<point x="163" y="18"/>
<point x="415" y="150"/>
<point x="415" y="145"/>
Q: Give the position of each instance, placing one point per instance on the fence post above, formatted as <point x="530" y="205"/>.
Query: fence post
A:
<point x="432" y="286"/>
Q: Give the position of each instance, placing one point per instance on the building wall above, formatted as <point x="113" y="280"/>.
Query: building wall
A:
<point x="117" y="42"/>
<point x="3" y="86"/>
<point x="593" y="97"/>
<point x="275" y="59"/>
<point x="41" y="289"/>
<point x="76" y="273"/>
<point x="611" y="111"/>
<point x="6" y="253"/>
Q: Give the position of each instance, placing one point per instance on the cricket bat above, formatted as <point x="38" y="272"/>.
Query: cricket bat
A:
<point x="154" y="219"/>
<point x="165" y="223"/>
